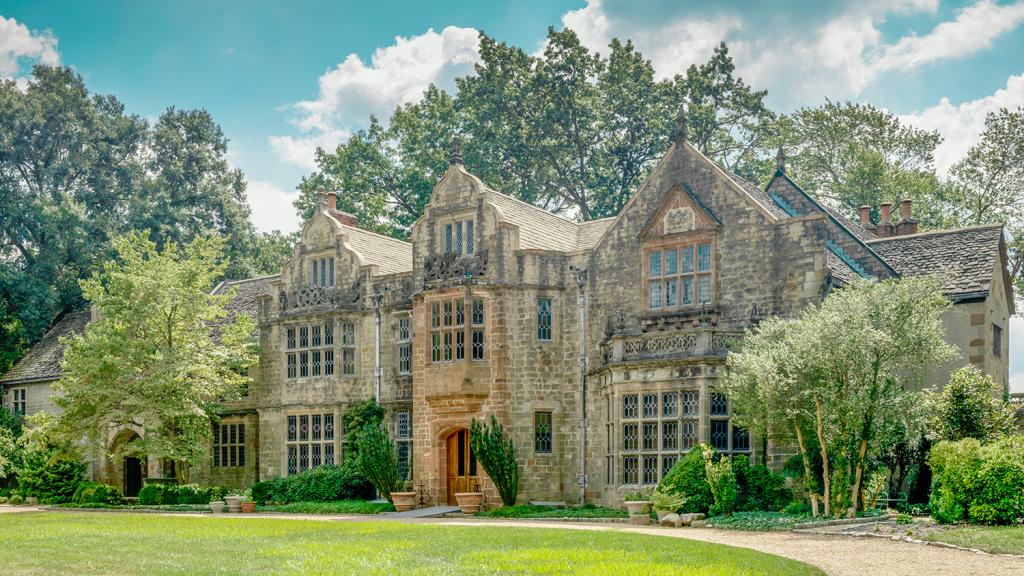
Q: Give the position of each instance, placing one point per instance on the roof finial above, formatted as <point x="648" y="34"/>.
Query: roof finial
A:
<point x="455" y="152"/>
<point x="780" y="160"/>
<point x="679" y="134"/>
<point x="321" y="198"/>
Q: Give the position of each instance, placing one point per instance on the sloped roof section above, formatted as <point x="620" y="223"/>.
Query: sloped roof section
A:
<point x="538" y="228"/>
<point x="762" y="197"/>
<point x="389" y="255"/>
<point x="43" y="361"/>
<point x="592" y="231"/>
<point x="247" y="293"/>
<point x="963" y="258"/>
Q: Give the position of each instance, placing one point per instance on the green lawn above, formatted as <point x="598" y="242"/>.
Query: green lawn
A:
<point x="151" y="545"/>
<point x="995" y="539"/>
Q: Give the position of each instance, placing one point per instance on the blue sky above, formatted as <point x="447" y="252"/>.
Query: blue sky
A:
<point x="284" y="77"/>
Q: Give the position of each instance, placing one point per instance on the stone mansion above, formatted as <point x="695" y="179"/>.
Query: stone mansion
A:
<point x="597" y="344"/>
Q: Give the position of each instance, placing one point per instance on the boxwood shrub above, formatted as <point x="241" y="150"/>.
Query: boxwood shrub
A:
<point x="688" y="478"/>
<point x="321" y="484"/>
<point x="982" y="484"/>
<point x="167" y="494"/>
<point x="95" y="493"/>
<point x="760" y="489"/>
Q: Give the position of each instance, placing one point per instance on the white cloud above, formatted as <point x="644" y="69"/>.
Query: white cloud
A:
<point x="396" y="75"/>
<point x="972" y="30"/>
<point x="800" y="57"/>
<point x="21" y="47"/>
<point x="961" y="125"/>
<point x="272" y="207"/>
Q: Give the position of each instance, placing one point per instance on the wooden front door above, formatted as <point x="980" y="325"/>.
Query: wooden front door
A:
<point x="461" y="465"/>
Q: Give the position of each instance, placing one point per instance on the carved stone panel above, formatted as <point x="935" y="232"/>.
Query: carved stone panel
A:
<point x="679" y="220"/>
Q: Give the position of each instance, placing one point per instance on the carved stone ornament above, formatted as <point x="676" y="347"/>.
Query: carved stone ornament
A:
<point x="443" y="267"/>
<point x="305" y="297"/>
<point x="679" y="220"/>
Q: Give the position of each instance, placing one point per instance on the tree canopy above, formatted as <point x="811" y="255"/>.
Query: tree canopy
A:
<point x="162" y="355"/>
<point x="847" y="373"/>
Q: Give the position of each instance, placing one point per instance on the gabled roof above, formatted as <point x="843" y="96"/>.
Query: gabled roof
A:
<point x="963" y="258"/>
<point x="542" y="230"/>
<point x="758" y="194"/>
<point x="42" y="363"/>
<point x="389" y="255"/>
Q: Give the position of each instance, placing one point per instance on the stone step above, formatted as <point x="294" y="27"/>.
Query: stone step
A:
<point x="428" y="512"/>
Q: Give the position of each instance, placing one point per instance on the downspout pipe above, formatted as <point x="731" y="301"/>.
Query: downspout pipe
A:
<point x="581" y="283"/>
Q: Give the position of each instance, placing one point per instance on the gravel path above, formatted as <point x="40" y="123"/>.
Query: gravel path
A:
<point x="836" y="555"/>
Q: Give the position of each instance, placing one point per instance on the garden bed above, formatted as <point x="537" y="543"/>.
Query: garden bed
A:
<point x="757" y="521"/>
<point x="547" y="512"/>
<point x="135" y="507"/>
<point x="337" y="507"/>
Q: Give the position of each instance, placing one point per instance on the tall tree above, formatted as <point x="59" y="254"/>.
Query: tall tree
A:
<point x="151" y="361"/>
<point x="988" y="184"/>
<point x="854" y="155"/>
<point x="726" y="119"/>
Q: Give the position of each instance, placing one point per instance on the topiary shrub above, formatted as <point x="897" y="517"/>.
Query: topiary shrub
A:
<point x="758" y="488"/>
<point x="688" y="478"/>
<point x="377" y="461"/>
<point x="496" y="453"/>
<point x="150" y="494"/>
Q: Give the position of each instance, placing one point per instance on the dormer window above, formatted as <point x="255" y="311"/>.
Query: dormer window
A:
<point x="321" y="272"/>
<point x="680" y="276"/>
<point x="458" y="237"/>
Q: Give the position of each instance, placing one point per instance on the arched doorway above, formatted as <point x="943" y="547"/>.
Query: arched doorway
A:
<point x="127" y="472"/>
<point x="461" y="465"/>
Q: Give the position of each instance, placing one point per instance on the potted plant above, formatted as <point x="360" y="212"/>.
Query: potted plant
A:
<point x="406" y="500"/>
<point x="469" y="502"/>
<point x="247" y="505"/>
<point x="638" y="502"/>
<point x="234" y="502"/>
<point x="217" y="506"/>
<point x="667" y="502"/>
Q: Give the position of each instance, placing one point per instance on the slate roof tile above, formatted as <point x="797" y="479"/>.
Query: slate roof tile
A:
<point x="42" y="362"/>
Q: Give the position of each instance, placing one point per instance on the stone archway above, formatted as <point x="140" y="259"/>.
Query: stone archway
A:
<point x="128" y="473"/>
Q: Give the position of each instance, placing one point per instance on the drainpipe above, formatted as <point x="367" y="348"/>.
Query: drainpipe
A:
<point x="581" y="283"/>
<point x="378" y="300"/>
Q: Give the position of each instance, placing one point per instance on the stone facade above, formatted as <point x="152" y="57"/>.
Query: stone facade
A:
<point x="480" y="315"/>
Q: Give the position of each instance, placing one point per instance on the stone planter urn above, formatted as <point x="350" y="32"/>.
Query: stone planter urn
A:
<point x="217" y="506"/>
<point x="469" y="502"/>
<point x="403" y="501"/>
<point x="663" y="513"/>
<point x="248" y="507"/>
<point x="234" y="503"/>
<point x="31" y="501"/>
<point x="637" y="507"/>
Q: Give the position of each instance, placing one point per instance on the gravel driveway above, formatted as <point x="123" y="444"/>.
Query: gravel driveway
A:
<point x="836" y="555"/>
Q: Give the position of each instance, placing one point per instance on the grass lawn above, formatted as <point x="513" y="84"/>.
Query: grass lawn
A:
<point x="529" y="511"/>
<point x="339" y="507"/>
<point x="122" y="544"/>
<point x="995" y="539"/>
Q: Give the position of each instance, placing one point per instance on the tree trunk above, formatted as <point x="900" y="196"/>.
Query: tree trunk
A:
<point x="826" y="478"/>
<point x="855" y="491"/>
<point x="812" y="495"/>
<point x="181" y="471"/>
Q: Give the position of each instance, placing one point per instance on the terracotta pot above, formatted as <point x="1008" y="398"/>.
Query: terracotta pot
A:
<point x="217" y="506"/>
<point x="404" y="501"/>
<point x="469" y="502"/>
<point x="234" y="503"/>
<point x="248" y="507"/>
<point x="637" y="507"/>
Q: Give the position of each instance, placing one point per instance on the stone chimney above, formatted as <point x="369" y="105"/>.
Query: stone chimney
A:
<point x="885" y="229"/>
<point x="907" y="224"/>
<point x="865" y="218"/>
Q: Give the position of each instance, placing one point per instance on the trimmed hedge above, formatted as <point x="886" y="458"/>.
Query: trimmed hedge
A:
<point x="321" y="484"/>
<point x="688" y="478"/>
<point x="95" y="493"/>
<point x="167" y="494"/>
<point x="982" y="484"/>
<point x="760" y="489"/>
